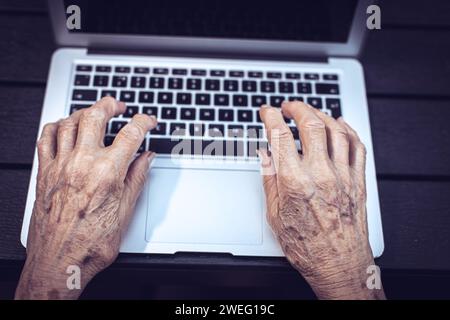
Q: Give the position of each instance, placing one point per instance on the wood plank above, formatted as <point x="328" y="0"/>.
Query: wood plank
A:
<point x="415" y="13"/>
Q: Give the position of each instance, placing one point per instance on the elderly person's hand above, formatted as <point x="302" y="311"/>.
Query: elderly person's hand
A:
<point x="85" y="196"/>
<point x="316" y="200"/>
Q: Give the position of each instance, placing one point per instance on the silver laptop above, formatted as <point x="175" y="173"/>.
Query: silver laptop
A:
<point x="203" y="68"/>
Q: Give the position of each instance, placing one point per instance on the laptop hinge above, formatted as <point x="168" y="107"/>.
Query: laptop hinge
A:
<point x="217" y="55"/>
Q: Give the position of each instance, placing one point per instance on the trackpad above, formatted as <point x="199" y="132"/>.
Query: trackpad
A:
<point x="204" y="206"/>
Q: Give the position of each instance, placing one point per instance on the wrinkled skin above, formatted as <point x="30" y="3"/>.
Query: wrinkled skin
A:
<point x="316" y="200"/>
<point x="85" y="196"/>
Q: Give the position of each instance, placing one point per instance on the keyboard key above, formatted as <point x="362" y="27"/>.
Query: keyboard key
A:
<point x="160" y="129"/>
<point x="207" y="114"/>
<point x="146" y="97"/>
<point x="165" y="97"/>
<point x="156" y="83"/>
<point x="177" y="129"/>
<point x="117" y="125"/>
<point x="255" y="74"/>
<point x="120" y="81"/>
<point x="327" y="88"/>
<point x="82" y="80"/>
<point x="230" y="85"/>
<point x="275" y="101"/>
<point x="212" y="84"/>
<point x="184" y="98"/>
<point x="274" y="75"/>
<point x="235" y="131"/>
<point x="85" y="95"/>
<point x="130" y="111"/>
<point x="169" y="113"/>
<point x="292" y="75"/>
<point x="151" y="111"/>
<point x="304" y="87"/>
<point x="330" y="77"/>
<point x="254" y="145"/>
<point x="127" y="96"/>
<point x="226" y="115"/>
<point x="267" y="86"/>
<point x="198" y="72"/>
<point x="236" y="74"/>
<point x="108" y="141"/>
<point x="315" y="102"/>
<point x="187" y="114"/>
<point x="221" y="100"/>
<point x="216" y="130"/>
<point x="162" y="145"/>
<point x="175" y="83"/>
<point x="197" y="129"/>
<point x="142" y="70"/>
<point x="84" y="67"/>
<point x="294" y="98"/>
<point x="294" y="131"/>
<point x="335" y="106"/>
<point x="311" y="76"/>
<point x="217" y="73"/>
<point x="138" y="82"/>
<point x="121" y="69"/>
<point x="245" y="116"/>
<point x="109" y="93"/>
<point x="240" y="100"/>
<point x="234" y="148"/>
<point x="160" y="71"/>
<point x="258" y="101"/>
<point x="202" y="99"/>
<point x="194" y="84"/>
<point x="103" y="68"/>
<point x="101" y="81"/>
<point x="258" y="116"/>
<point x="249" y="86"/>
<point x="142" y="147"/>
<point x="179" y="72"/>
<point x="76" y="107"/>
<point x="285" y="87"/>
<point x="255" y="132"/>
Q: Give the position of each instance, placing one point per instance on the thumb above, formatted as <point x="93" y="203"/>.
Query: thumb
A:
<point x="134" y="183"/>
<point x="270" y="186"/>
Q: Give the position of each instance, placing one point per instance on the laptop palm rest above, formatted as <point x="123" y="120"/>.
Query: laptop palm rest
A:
<point x="200" y="206"/>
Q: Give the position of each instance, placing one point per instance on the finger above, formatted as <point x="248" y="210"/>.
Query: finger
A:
<point x="130" y="138"/>
<point x="312" y="130"/>
<point x="284" y="152"/>
<point x="134" y="184"/>
<point x="46" y="144"/>
<point x="357" y="154"/>
<point x="92" y="124"/>
<point x="270" y="187"/>
<point x="67" y="133"/>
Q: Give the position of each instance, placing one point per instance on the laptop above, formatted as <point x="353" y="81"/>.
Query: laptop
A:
<point x="204" y="68"/>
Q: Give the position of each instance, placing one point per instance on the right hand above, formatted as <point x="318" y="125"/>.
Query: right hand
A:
<point x="316" y="201"/>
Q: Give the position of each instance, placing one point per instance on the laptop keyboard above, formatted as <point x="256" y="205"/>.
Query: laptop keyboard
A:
<point x="215" y="112"/>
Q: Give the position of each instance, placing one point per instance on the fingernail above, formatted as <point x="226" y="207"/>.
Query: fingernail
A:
<point x="285" y="102"/>
<point x="265" y="106"/>
<point x="153" y="118"/>
<point x="121" y="105"/>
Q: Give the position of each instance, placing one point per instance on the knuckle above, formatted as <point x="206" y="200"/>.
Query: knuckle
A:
<point x="313" y="124"/>
<point x="107" y="100"/>
<point x="93" y="114"/>
<point x="131" y="133"/>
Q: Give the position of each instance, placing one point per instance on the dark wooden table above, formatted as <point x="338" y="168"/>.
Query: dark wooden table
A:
<point x="407" y="68"/>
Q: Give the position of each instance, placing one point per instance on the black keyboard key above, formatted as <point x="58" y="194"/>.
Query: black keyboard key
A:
<point x="258" y="116"/>
<point x="221" y="100"/>
<point x="216" y="130"/>
<point x="255" y="145"/>
<point x="127" y="96"/>
<point x="101" y="81"/>
<point x="330" y="77"/>
<point x="165" y="97"/>
<point x="304" y="87"/>
<point x="327" y="88"/>
<point x="103" y="68"/>
<point x="119" y="81"/>
<point x="176" y="83"/>
<point x="294" y="131"/>
<point x="187" y="114"/>
<point x="84" y="67"/>
<point x="162" y="145"/>
<point x="226" y="115"/>
<point x="76" y="107"/>
<point x="311" y="76"/>
<point x="255" y="132"/>
<point x="249" y="86"/>
<point x="197" y="129"/>
<point x="161" y="129"/>
<point x="294" y="98"/>
<point x="202" y="99"/>
<point x="207" y="114"/>
<point x="130" y="112"/>
<point x="184" y="98"/>
<point x="275" y="101"/>
<point x="230" y="85"/>
<point x="235" y="131"/>
<point x="142" y="70"/>
<point x="236" y="74"/>
<point x="138" y="82"/>
<point x="161" y="71"/>
<point x="109" y="93"/>
<point x="156" y="83"/>
<point x="84" y="95"/>
<point x="258" y="101"/>
<point x="245" y="116"/>
<point x="82" y="80"/>
<point x="212" y="85"/>
<point x="255" y="74"/>
<point x="122" y="69"/>
<point x="267" y="86"/>
<point x="179" y="72"/>
<point x="335" y="106"/>
<point x="292" y="75"/>
<point x="217" y="73"/>
<point x="169" y="113"/>
<point x="108" y="141"/>
<point x="234" y="148"/>
<point x="116" y="126"/>
<point x="240" y="100"/>
<point x="285" y="87"/>
<point x="194" y="84"/>
<point x="198" y="72"/>
<point x="177" y="129"/>
<point x="315" y="102"/>
<point x="142" y="147"/>
<point x="146" y="97"/>
<point x="151" y="111"/>
<point x="274" y="75"/>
